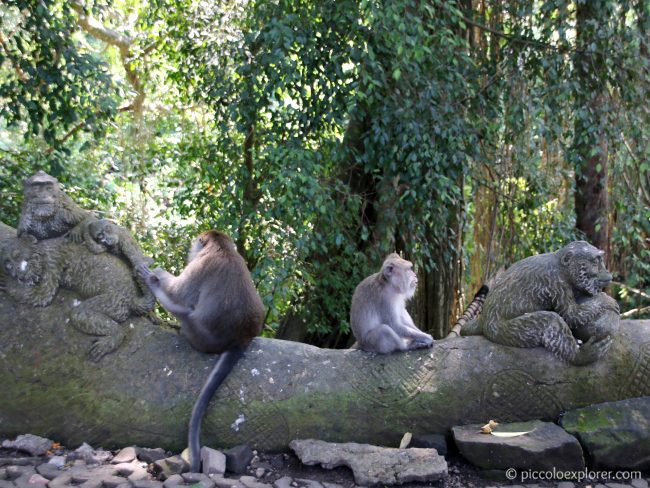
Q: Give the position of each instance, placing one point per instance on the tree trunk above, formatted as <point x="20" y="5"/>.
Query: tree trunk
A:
<point x="590" y="140"/>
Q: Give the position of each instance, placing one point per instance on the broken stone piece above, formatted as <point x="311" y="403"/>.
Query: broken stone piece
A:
<point x="32" y="444"/>
<point x="372" y="464"/>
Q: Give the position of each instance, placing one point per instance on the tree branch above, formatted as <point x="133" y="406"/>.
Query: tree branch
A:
<point x="123" y="43"/>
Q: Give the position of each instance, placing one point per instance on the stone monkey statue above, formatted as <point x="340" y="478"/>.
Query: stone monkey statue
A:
<point x="104" y="283"/>
<point x="101" y="235"/>
<point x="46" y="211"/>
<point x="378" y="316"/>
<point x="219" y="308"/>
<point x="550" y="300"/>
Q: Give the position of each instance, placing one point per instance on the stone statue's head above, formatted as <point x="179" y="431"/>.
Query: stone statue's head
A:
<point x="584" y="267"/>
<point x="21" y="260"/>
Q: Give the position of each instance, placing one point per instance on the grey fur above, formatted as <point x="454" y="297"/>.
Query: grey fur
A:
<point x="378" y="315"/>
<point x="546" y="300"/>
<point x="103" y="281"/>
<point x="214" y="297"/>
<point x="46" y="211"/>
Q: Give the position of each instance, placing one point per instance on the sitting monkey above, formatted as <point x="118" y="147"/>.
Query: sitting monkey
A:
<point x="378" y="315"/>
<point x="550" y="299"/>
<point x="219" y="308"/>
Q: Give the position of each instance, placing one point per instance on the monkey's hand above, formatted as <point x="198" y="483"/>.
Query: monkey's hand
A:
<point x="76" y="234"/>
<point x="592" y="351"/>
<point x="147" y="275"/>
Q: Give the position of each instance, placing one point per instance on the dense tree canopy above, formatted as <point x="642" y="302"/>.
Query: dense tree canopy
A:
<point x="322" y="135"/>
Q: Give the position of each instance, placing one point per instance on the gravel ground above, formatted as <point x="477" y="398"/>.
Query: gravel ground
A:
<point x="266" y="470"/>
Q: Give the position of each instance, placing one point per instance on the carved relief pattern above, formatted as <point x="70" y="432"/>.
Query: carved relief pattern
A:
<point x="639" y="382"/>
<point x="394" y="380"/>
<point x="514" y="395"/>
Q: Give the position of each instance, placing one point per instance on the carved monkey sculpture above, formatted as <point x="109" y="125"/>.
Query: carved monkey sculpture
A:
<point x="219" y="309"/>
<point x="46" y="211"/>
<point x="104" y="283"/>
<point x="378" y="315"/>
<point x="550" y="299"/>
<point x="101" y="235"/>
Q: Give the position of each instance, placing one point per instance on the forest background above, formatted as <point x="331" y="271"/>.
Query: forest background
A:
<point x="322" y="135"/>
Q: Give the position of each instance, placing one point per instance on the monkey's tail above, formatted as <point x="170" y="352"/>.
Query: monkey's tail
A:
<point x="226" y="362"/>
<point x="467" y="324"/>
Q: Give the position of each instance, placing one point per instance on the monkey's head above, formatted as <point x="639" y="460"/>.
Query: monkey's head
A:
<point x="41" y="195"/>
<point x="584" y="267"/>
<point x="20" y="261"/>
<point x="399" y="274"/>
<point x="211" y="241"/>
<point x="104" y="232"/>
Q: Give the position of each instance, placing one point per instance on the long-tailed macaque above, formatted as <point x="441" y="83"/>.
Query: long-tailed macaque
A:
<point x="378" y="315"/>
<point x="219" y="309"/>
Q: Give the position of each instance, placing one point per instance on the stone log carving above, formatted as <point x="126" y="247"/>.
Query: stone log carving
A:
<point x="60" y="245"/>
<point x="142" y="393"/>
<point x="108" y="292"/>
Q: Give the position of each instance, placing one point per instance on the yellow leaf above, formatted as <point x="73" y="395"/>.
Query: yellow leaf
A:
<point x="487" y="428"/>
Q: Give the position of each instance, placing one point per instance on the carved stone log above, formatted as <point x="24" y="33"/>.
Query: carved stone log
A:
<point x="143" y="392"/>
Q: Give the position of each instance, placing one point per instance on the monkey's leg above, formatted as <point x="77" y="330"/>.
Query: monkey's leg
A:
<point x="549" y="330"/>
<point x="383" y="339"/>
<point x="93" y="316"/>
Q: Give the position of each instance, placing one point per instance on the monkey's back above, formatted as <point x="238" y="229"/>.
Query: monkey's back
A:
<point x="369" y="305"/>
<point x="529" y="285"/>
<point x="228" y="310"/>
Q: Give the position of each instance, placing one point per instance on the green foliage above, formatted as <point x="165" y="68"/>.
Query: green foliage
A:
<point x="52" y="84"/>
<point x="323" y="134"/>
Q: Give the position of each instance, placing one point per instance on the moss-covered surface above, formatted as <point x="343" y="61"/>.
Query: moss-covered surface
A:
<point x="614" y="434"/>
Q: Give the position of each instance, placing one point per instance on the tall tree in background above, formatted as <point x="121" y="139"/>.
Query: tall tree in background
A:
<point x="590" y="140"/>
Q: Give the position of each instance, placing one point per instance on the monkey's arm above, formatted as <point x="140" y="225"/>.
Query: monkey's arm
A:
<point x="405" y="328"/>
<point x="582" y="313"/>
<point x="131" y="251"/>
<point x="158" y="282"/>
<point x="79" y="233"/>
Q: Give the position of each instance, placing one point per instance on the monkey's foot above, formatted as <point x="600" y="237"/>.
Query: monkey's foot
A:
<point x="421" y="343"/>
<point x="592" y="351"/>
<point x="102" y="347"/>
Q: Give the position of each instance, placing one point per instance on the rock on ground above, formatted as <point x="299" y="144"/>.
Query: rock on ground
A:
<point x="545" y="447"/>
<point x="32" y="444"/>
<point x="373" y="465"/>
<point x="614" y="434"/>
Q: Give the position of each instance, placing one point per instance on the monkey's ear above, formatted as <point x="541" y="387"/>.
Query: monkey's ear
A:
<point x="566" y="258"/>
<point x="388" y="270"/>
